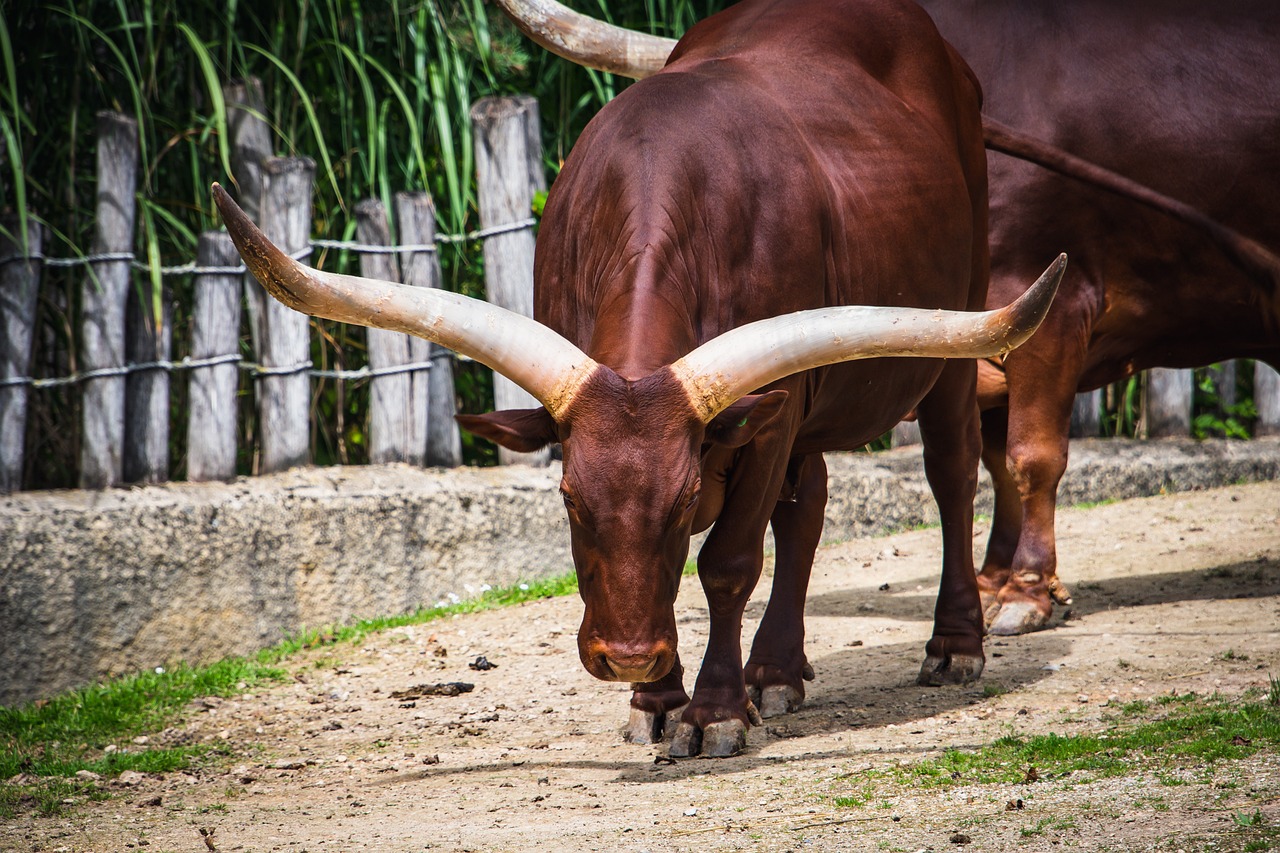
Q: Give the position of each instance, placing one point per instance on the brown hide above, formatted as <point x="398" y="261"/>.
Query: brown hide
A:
<point x="791" y="155"/>
<point x="1180" y="96"/>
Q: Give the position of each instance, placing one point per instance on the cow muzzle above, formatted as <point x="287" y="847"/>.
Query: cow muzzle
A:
<point x="636" y="662"/>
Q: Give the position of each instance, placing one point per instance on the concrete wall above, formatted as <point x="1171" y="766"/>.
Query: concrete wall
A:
<point x="94" y="584"/>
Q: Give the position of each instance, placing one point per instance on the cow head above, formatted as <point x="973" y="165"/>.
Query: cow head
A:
<point x="632" y="478"/>
<point x="633" y="445"/>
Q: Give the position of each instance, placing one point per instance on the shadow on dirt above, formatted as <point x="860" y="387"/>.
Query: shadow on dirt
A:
<point x="860" y="688"/>
<point x="1248" y="579"/>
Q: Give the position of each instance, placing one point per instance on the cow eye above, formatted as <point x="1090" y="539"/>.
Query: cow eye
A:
<point x="568" y="499"/>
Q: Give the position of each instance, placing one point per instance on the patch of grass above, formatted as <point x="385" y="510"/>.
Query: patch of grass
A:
<point x="1095" y="504"/>
<point x="52" y="740"/>
<point x="1047" y="824"/>
<point x="1232" y="654"/>
<point x="991" y="690"/>
<point x="1199" y="733"/>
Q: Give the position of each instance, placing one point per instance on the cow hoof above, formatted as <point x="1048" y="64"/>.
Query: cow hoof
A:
<point x="1059" y="591"/>
<point x="779" y="699"/>
<point x="645" y="727"/>
<point x="717" y="740"/>
<point x="990" y="610"/>
<point x="952" y="669"/>
<point x="1017" y="617"/>
<point x="807" y="673"/>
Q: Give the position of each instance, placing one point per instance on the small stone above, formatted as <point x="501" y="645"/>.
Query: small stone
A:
<point x="690" y="812"/>
<point x="130" y="778"/>
<point x="960" y="838"/>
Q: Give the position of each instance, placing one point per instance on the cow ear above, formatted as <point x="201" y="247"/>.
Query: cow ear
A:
<point x="521" y="430"/>
<point x="739" y="423"/>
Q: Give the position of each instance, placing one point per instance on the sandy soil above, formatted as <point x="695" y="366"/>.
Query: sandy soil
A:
<point x="1174" y="593"/>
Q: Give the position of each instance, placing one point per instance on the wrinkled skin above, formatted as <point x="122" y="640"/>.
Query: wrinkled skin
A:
<point x="790" y="156"/>
<point x="1189" y="107"/>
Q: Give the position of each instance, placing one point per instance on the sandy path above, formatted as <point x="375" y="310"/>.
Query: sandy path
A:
<point x="1173" y="593"/>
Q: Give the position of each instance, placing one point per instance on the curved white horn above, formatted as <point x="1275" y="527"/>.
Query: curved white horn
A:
<point x="749" y="357"/>
<point x="588" y="41"/>
<point x="528" y="353"/>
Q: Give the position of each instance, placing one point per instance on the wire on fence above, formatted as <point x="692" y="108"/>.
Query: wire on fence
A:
<point x="191" y="268"/>
<point x="255" y="370"/>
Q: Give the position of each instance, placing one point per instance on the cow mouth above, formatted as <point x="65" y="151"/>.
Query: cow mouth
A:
<point x="615" y="665"/>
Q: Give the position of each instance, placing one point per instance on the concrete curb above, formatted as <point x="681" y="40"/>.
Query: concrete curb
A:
<point x="94" y="584"/>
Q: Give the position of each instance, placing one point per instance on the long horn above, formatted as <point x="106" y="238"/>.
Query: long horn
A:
<point x="528" y="353"/>
<point x="749" y="357"/>
<point x="588" y="41"/>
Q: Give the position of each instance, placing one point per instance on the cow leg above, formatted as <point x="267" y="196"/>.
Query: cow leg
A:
<point x="715" y="722"/>
<point x="1006" y="522"/>
<point x="656" y="706"/>
<point x="1037" y="459"/>
<point x="952" y="443"/>
<point x="777" y="668"/>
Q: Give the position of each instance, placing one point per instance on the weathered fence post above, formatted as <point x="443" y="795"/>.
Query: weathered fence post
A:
<point x="215" y="334"/>
<point x="146" y="407"/>
<point x="284" y="385"/>
<point x="437" y="430"/>
<point x="508" y="171"/>
<point x="20" y="269"/>
<point x="1168" y="403"/>
<point x="103" y="300"/>
<point x="250" y="145"/>
<point x="1086" y="414"/>
<point x="1266" y="396"/>
<point x="1223" y="377"/>
<point x="392" y="406"/>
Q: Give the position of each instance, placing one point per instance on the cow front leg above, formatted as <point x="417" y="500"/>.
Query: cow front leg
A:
<point x="656" y="707"/>
<point x="777" y="667"/>
<point x="952" y="443"/>
<point x="716" y="720"/>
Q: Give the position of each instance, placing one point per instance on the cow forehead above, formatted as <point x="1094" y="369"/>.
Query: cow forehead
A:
<point x="628" y="433"/>
<point x="654" y="406"/>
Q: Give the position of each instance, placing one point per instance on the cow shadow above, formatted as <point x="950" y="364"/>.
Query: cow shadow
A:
<point x="1238" y="579"/>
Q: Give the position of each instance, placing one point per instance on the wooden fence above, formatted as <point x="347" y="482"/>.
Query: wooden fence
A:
<point x="127" y="365"/>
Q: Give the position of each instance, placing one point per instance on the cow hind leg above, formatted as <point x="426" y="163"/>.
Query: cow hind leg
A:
<point x="1039" y="418"/>
<point x="952" y="443"/>
<point x="1006" y="522"/>
<point x="777" y="668"/>
<point x="1038" y="459"/>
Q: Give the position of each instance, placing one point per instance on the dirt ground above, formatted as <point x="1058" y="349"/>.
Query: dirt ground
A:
<point x="1173" y="593"/>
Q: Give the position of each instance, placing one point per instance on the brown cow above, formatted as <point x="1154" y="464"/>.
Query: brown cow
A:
<point x="1182" y="97"/>
<point x="722" y="242"/>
